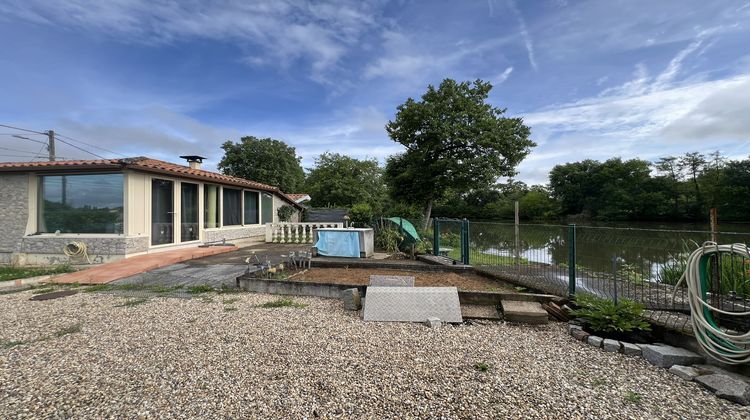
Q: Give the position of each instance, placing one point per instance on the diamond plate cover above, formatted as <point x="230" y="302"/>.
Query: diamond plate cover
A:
<point x="412" y="304"/>
<point x="391" y="281"/>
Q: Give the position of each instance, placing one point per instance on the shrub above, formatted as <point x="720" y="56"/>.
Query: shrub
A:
<point x="603" y="315"/>
<point x="285" y="213"/>
<point x="388" y="239"/>
<point x="361" y="214"/>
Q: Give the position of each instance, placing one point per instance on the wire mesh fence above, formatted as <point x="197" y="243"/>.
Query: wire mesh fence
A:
<point x="615" y="263"/>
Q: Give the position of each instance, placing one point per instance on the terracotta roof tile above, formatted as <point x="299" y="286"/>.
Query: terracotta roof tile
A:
<point x="147" y="165"/>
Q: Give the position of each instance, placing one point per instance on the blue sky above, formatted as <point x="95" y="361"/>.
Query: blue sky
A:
<point x="593" y="79"/>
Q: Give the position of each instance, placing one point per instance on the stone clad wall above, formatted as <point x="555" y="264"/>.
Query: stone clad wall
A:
<point x="49" y="249"/>
<point x="239" y="232"/>
<point x="14" y="210"/>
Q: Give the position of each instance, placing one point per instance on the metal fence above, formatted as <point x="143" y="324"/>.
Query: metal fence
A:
<point x="615" y="263"/>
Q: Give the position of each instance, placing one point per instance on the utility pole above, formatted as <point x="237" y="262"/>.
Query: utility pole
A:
<point x="51" y="145"/>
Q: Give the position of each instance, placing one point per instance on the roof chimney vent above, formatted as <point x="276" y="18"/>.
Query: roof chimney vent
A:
<point x="194" y="161"/>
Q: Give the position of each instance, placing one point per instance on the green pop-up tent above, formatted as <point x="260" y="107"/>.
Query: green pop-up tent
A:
<point x="411" y="236"/>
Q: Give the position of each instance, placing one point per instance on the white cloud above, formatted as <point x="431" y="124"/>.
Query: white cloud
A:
<point x="286" y="31"/>
<point x="502" y="77"/>
<point x="524" y="34"/>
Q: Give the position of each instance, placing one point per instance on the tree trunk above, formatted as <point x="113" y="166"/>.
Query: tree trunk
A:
<point x="427" y="213"/>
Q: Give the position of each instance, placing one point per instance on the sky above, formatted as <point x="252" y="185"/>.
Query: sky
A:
<point x="592" y="79"/>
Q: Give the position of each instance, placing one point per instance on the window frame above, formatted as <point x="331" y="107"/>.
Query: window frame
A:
<point x="38" y="213"/>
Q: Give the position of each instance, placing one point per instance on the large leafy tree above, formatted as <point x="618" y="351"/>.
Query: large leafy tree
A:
<point x="338" y="180"/>
<point x="266" y="160"/>
<point x="454" y="140"/>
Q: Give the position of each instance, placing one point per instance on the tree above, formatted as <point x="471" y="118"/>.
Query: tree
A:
<point x="339" y="180"/>
<point x="453" y="140"/>
<point x="266" y="160"/>
<point x="693" y="163"/>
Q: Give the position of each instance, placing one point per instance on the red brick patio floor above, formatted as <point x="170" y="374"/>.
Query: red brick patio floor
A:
<point x="127" y="267"/>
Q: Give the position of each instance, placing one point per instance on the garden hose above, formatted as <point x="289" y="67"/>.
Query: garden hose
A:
<point x="725" y="347"/>
<point x="77" y="250"/>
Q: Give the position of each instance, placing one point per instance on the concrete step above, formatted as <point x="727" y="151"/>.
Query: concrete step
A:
<point x="524" y="312"/>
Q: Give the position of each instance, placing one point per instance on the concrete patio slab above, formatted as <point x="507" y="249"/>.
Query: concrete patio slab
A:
<point x="110" y="272"/>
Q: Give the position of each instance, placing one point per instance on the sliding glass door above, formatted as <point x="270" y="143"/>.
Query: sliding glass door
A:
<point x="162" y="212"/>
<point x="189" y="212"/>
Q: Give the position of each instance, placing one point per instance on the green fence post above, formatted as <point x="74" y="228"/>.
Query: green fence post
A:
<point x="435" y="236"/>
<point x="466" y="242"/>
<point x="571" y="260"/>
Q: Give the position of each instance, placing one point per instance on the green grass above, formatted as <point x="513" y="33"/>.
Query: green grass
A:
<point x="97" y="288"/>
<point x="12" y="273"/>
<point x="476" y="256"/>
<point x="129" y="303"/>
<point x="68" y="330"/>
<point x="282" y="303"/>
<point x="633" y="397"/>
<point x="201" y="288"/>
<point x="481" y="366"/>
<point x="41" y="290"/>
<point x="10" y="344"/>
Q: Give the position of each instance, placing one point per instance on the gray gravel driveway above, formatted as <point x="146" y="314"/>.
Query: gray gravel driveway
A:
<point x="92" y="355"/>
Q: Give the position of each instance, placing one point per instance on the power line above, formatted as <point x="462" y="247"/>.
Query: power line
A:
<point x="22" y="129"/>
<point x="89" y="144"/>
<point x="21" y="151"/>
<point x="18" y="136"/>
<point x="80" y="148"/>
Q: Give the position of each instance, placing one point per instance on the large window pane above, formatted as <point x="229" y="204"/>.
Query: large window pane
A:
<point x="232" y="207"/>
<point x="81" y="203"/>
<point x="189" y="212"/>
<point x="267" y="203"/>
<point x="211" y="206"/>
<point x="162" y="212"/>
<point x="251" y="208"/>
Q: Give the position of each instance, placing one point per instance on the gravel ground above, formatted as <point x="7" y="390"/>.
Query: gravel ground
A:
<point x="88" y="356"/>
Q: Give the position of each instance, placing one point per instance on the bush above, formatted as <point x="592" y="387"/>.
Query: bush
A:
<point x="388" y="239"/>
<point x="603" y="315"/>
<point x="285" y="213"/>
<point x="361" y="215"/>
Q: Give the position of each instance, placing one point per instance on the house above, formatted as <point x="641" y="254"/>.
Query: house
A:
<point x="300" y="198"/>
<point x="124" y="207"/>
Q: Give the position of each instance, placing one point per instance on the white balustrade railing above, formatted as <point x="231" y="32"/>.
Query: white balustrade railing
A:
<point x="295" y="233"/>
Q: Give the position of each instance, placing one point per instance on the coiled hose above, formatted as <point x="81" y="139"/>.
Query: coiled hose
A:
<point x="728" y="348"/>
<point x="77" y="250"/>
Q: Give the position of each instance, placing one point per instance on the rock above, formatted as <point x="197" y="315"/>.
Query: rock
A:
<point x="612" y="346"/>
<point x="687" y="373"/>
<point x="433" y="322"/>
<point x="573" y="327"/>
<point x="630" y="349"/>
<point x="727" y="387"/>
<point x="710" y="369"/>
<point x="595" y="341"/>
<point x="352" y="300"/>
<point x="668" y="356"/>
<point x="580" y="335"/>
<point x="524" y="312"/>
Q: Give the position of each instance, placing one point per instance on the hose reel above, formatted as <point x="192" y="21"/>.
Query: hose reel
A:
<point x="77" y="250"/>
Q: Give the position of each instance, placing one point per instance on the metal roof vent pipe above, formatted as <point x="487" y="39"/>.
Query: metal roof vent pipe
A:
<point x="194" y="161"/>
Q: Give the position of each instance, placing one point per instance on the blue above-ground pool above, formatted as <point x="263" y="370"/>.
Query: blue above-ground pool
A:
<point x="338" y="244"/>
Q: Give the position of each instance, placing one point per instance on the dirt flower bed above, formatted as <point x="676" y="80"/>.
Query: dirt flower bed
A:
<point x="361" y="276"/>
